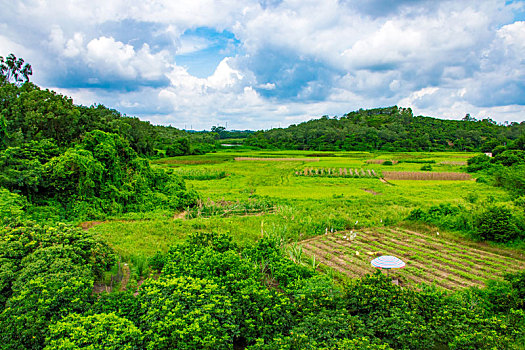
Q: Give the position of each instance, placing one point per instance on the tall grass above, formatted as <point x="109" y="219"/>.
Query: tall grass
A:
<point x="201" y="174"/>
<point x="228" y="208"/>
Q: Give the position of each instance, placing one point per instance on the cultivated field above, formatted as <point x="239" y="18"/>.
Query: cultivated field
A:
<point x="432" y="258"/>
<point x="250" y="196"/>
<point x="413" y="175"/>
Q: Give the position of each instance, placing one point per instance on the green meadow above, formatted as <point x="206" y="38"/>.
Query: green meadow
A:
<point x="294" y="207"/>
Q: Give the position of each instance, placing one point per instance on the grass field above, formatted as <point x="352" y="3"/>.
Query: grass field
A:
<point x="444" y="260"/>
<point x="307" y="206"/>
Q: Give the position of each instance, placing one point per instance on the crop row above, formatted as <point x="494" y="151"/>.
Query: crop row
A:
<point x="201" y="174"/>
<point x="380" y="161"/>
<point x="417" y="175"/>
<point x="450" y="264"/>
<point x="338" y="172"/>
<point x="277" y="159"/>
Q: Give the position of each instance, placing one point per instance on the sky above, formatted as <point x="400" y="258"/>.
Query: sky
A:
<point x="258" y="64"/>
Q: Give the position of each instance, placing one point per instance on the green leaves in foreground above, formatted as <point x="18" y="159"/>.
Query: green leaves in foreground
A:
<point x="186" y="313"/>
<point x="100" y="331"/>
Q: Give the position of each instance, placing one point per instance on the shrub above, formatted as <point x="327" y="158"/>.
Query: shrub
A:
<point x="511" y="178"/>
<point x="426" y="168"/>
<point x="388" y="162"/>
<point x="508" y="158"/>
<point x="496" y="224"/>
<point x="444" y="215"/>
<point x="186" y="313"/>
<point x="11" y="207"/>
<point x="38" y="303"/>
<point x="478" y="163"/>
<point x="157" y="261"/>
<point x="101" y="331"/>
<point x="517" y="280"/>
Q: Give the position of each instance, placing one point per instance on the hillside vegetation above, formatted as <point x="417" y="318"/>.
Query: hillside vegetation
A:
<point x="390" y="129"/>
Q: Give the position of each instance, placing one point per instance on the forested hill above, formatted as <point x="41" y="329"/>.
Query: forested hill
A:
<point x="389" y="129"/>
<point x="31" y="114"/>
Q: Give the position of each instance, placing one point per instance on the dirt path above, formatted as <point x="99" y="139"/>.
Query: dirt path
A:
<point x="125" y="277"/>
<point x="371" y="191"/>
<point x="89" y="224"/>
<point x="382" y="179"/>
<point x="181" y="215"/>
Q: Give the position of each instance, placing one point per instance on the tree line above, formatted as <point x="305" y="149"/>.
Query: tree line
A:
<point x="389" y="129"/>
<point x="74" y="162"/>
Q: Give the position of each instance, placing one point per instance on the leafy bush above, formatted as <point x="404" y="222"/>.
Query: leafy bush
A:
<point x="39" y="302"/>
<point x="478" y="163"/>
<point x="11" y="207"/>
<point x="511" y="178"/>
<point x="426" y="168"/>
<point x="444" y="215"/>
<point x="157" y="261"/>
<point x="496" y="223"/>
<point x="186" y="313"/>
<point x="121" y="303"/>
<point x="509" y="158"/>
<point x="100" y="331"/>
<point x="517" y="281"/>
<point x="319" y="330"/>
<point x="258" y="312"/>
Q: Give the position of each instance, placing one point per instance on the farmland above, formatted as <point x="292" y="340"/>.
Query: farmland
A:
<point x="280" y="193"/>
<point x="432" y="258"/>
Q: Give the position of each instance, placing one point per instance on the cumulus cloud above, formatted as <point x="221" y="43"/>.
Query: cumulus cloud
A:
<point x="269" y="61"/>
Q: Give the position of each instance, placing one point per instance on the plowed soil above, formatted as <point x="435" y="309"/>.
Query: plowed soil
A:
<point x="449" y="263"/>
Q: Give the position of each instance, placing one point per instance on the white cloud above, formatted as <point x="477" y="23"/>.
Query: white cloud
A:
<point x="443" y="58"/>
<point x="192" y="44"/>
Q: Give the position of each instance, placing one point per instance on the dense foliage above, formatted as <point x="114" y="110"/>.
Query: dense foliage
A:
<point x="490" y="220"/>
<point x="485" y="220"/>
<point x="99" y="176"/>
<point x="211" y="295"/>
<point x="45" y="273"/>
<point x="71" y="162"/>
<point x="505" y="169"/>
<point x="28" y="113"/>
<point x="389" y="129"/>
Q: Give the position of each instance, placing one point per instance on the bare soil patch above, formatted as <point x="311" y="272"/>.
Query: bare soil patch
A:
<point x="89" y="224"/>
<point x="371" y="191"/>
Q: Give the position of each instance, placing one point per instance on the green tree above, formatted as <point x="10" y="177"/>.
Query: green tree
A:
<point x="496" y="223"/>
<point x="14" y="70"/>
<point x="186" y="313"/>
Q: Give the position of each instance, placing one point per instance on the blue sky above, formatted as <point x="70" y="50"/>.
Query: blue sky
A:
<point x="257" y="64"/>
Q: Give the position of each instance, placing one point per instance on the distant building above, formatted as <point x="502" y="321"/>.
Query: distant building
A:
<point x="488" y="154"/>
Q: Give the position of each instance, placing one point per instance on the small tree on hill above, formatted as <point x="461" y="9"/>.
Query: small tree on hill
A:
<point x="14" y="70"/>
